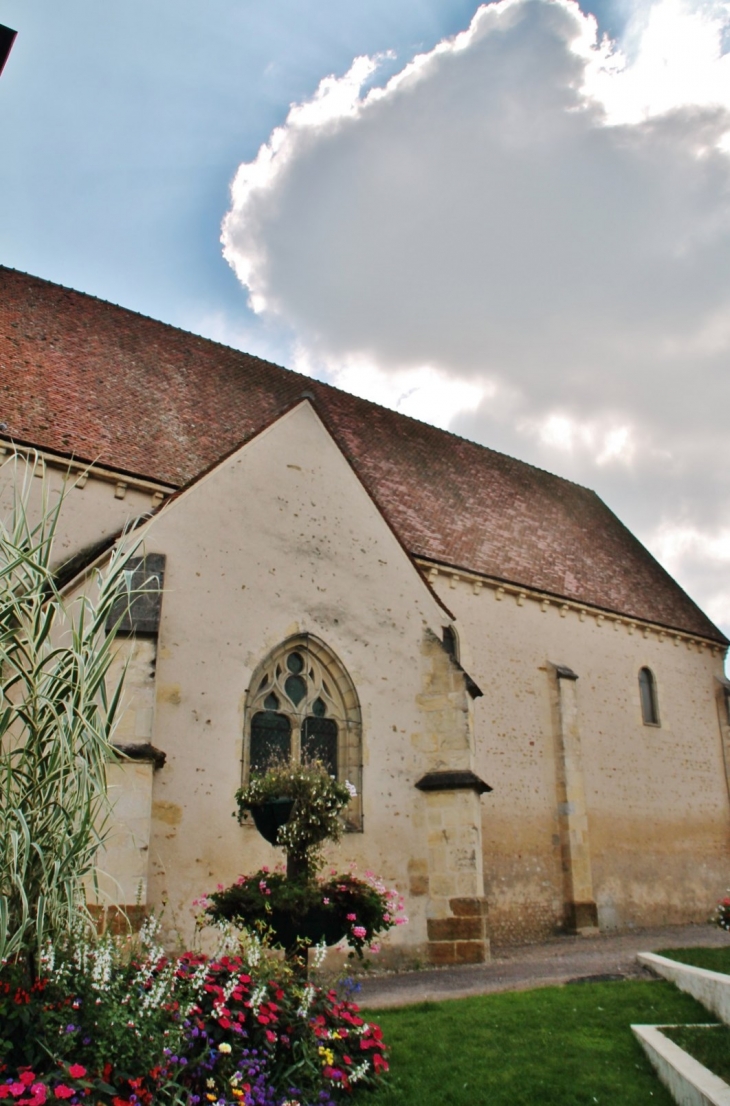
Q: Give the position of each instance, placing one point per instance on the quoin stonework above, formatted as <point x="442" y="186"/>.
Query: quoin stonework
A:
<point x="533" y="712"/>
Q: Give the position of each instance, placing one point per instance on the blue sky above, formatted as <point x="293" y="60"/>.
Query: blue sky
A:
<point x="123" y="124"/>
<point x="524" y="236"/>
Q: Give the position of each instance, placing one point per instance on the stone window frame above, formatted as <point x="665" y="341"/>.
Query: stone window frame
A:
<point x="647" y="680"/>
<point x="331" y="682"/>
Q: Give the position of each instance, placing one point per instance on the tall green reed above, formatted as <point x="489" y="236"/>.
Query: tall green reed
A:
<point x="56" y="721"/>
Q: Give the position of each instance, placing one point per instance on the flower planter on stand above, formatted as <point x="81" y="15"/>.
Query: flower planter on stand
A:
<point x="297" y="909"/>
<point x="269" y="817"/>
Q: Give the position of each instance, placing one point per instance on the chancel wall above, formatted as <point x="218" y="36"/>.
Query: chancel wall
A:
<point x="653" y="833"/>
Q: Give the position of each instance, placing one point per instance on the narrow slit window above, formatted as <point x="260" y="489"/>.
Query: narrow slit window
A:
<point x="647" y="693"/>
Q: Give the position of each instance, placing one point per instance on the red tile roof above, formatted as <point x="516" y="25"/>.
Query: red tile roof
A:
<point x="84" y="377"/>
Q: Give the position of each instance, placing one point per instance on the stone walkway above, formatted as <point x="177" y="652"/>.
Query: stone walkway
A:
<point x="559" y="960"/>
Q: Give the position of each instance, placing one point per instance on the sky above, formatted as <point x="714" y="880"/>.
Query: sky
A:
<point x="511" y="220"/>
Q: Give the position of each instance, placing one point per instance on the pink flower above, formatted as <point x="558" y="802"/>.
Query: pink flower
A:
<point x="359" y="931"/>
<point x="352" y="917"/>
<point x="17" y="1089"/>
<point x="326" y="901"/>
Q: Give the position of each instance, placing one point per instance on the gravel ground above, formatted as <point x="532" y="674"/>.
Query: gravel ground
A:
<point x="560" y="960"/>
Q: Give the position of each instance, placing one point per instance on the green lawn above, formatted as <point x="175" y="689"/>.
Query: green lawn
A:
<point x="717" y="960"/>
<point x="710" y="1046"/>
<point x="556" y="1046"/>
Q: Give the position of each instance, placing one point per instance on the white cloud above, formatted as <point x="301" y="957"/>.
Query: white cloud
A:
<point x="525" y="233"/>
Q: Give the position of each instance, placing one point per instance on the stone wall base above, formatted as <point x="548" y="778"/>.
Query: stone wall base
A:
<point x="118" y="920"/>
<point x="461" y="938"/>
<point x="581" y="917"/>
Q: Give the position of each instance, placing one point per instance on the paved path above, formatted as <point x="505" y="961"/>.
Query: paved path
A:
<point x="559" y="960"/>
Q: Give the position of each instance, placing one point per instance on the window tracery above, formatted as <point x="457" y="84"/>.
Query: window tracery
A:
<point x="302" y="705"/>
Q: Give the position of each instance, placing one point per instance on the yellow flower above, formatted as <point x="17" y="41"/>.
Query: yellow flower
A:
<point x="238" y="1092"/>
<point x="225" y="1047"/>
<point x="210" y="1097"/>
<point x="327" y="1055"/>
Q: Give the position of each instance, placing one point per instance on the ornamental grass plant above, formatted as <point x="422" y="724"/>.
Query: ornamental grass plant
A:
<point x="56" y="720"/>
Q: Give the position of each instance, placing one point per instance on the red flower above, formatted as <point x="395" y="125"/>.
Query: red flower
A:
<point x="379" y="1063"/>
<point x="62" y="1091"/>
<point x="77" y="1071"/>
<point x="27" y="1077"/>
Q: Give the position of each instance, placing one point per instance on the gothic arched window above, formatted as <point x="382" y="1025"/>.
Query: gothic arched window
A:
<point x="647" y="694"/>
<point x="302" y="705"/>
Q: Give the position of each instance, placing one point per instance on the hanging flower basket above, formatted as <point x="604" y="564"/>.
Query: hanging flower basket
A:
<point x="310" y="911"/>
<point x="270" y="816"/>
<point x="314" y="926"/>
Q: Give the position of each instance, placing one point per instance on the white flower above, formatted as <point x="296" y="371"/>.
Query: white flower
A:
<point x="351" y="788"/>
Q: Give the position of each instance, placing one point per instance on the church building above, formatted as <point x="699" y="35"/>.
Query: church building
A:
<point x="533" y="712"/>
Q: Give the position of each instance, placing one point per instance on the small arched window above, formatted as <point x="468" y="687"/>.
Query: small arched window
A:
<point x="451" y="642"/>
<point x="647" y="694"/>
<point x="302" y="705"/>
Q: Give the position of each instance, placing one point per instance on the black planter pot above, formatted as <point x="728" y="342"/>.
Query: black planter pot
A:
<point x="271" y="816"/>
<point x="315" y="925"/>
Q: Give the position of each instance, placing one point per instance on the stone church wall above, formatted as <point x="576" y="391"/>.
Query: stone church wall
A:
<point x="654" y="829"/>
<point x="280" y="540"/>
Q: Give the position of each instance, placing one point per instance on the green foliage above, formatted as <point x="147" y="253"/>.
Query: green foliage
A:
<point x="319" y="801"/>
<point x="708" y="1044"/>
<point x="556" y="1046"/>
<point x="56" y="720"/>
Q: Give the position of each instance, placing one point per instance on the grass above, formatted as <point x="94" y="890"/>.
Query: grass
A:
<point x="717" y="960"/>
<point x="710" y="1045"/>
<point x="556" y="1046"/>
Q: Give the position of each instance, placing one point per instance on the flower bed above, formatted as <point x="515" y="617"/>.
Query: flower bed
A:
<point x="101" y="1026"/>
